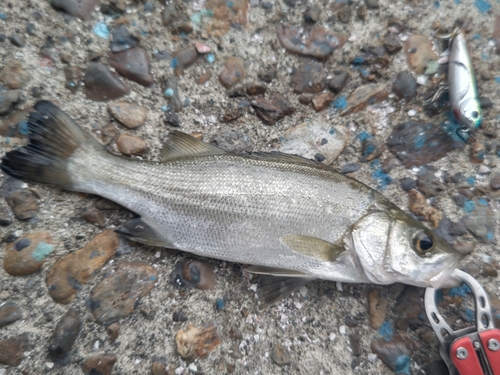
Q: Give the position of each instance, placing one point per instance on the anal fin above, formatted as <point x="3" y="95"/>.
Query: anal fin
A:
<point x="274" y="288"/>
<point x="137" y="230"/>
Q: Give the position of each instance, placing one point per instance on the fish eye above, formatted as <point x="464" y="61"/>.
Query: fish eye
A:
<point x="423" y="242"/>
<point x="475" y="114"/>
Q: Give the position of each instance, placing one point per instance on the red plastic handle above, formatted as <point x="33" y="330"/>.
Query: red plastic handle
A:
<point x="491" y="344"/>
<point x="464" y="357"/>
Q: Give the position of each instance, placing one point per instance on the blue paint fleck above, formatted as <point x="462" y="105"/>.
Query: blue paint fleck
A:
<point x="101" y="30"/>
<point x="386" y="330"/>
<point x="469" y="315"/>
<point x="469" y="206"/>
<point x="211" y="58"/>
<point x="485" y="56"/>
<point x="152" y="278"/>
<point x="169" y="92"/>
<point x="187" y="102"/>
<point x="439" y="296"/>
<point x="476" y="37"/>
<point x="471" y="181"/>
<point x="482" y="5"/>
<point x="196" y="18"/>
<point x="382" y="179"/>
<point x="332" y="131"/>
<point x="363" y="71"/>
<point x="437" y="4"/>
<point x="174" y="63"/>
<point x="219" y="304"/>
<point x="42" y="251"/>
<point x="164" y="108"/>
<point x="358" y="60"/>
<point x="490" y="236"/>
<point x="3" y="16"/>
<point x="402" y="365"/>
<point x="497" y="79"/>
<point x="460" y="291"/>
<point x="229" y="4"/>
<point x="368" y="150"/>
<point x="340" y="102"/>
<point x="419" y="141"/>
<point x="452" y="128"/>
<point x="363" y="135"/>
<point x="482" y="202"/>
<point x="457" y="2"/>
<point x="23" y="128"/>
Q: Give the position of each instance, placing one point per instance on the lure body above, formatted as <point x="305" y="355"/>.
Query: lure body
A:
<point x="463" y="90"/>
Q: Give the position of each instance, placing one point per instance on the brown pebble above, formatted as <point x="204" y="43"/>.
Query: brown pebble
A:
<point x="322" y="101"/>
<point x="254" y="88"/>
<point x="76" y="8"/>
<point x="477" y="152"/>
<point x="306" y="99"/>
<point x="232" y="73"/>
<point x="102" y="85"/>
<point x="309" y="78"/>
<point x="133" y="64"/>
<point x="74" y="76"/>
<point x="377" y="308"/>
<point x="108" y="133"/>
<point x="495" y="182"/>
<point x="105" y="204"/>
<point x="418" y="205"/>
<point x="195" y="342"/>
<point x="316" y="42"/>
<point x="185" y="58"/>
<point x="235" y="333"/>
<point x="226" y="16"/>
<point x="464" y="248"/>
<point x="273" y="109"/>
<point x="204" y="77"/>
<point x="230" y="367"/>
<point x="197" y="135"/>
<point x="64" y="337"/>
<point x="9" y="313"/>
<point x="9" y="128"/>
<point x="419" y="52"/>
<point x="28" y="253"/>
<point x="364" y="95"/>
<point x="281" y="355"/>
<point x="8" y="100"/>
<point x="24" y="204"/>
<point x="76" y="268"/>
<point x="115" y="297"/>
<point x="496" y="34"/>
<point x="338" y="82"/>
<point x="129" y="114"/>
<point x="94" y="217"/>
<point x="99" y="364"/>
<point x="200" y="274"/>
<point x="113" y="330"/>
<point x="12" y="350"/>
<point x="13" y="75"/>
<point x="131" y="145"/>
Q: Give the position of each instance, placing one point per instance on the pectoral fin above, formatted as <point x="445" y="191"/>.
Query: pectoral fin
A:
<point x="137" y="230"/>
<point x="312" y="247"/>
<point x="273" y="288"/>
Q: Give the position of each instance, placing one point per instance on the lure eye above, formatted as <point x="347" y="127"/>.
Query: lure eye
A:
<point x="423" y="242"/>
<point x="475" y="114"/>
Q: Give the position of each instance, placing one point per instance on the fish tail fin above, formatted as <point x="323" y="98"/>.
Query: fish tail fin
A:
<point x="54" y="138"/>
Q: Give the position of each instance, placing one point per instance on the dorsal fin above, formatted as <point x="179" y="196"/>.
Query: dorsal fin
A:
<point x="179" y="145"/>
<point x="287" y="158"/>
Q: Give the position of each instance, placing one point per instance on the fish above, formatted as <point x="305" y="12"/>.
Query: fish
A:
<point x="462" y="88"/>
<point x="290" y="219"/>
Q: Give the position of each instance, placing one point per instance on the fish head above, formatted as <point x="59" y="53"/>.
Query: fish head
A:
<point x="393" y="247"/>
<point x="471" y="115"/>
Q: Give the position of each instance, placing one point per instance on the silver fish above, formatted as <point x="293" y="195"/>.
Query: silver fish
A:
<point x="286" y="216"/>
<point x="463" y="90"/>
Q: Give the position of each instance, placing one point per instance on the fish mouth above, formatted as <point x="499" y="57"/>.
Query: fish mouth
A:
<point x="445" y="278"/>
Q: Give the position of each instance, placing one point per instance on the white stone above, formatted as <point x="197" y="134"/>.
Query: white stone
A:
<point x="342" y="329"/>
